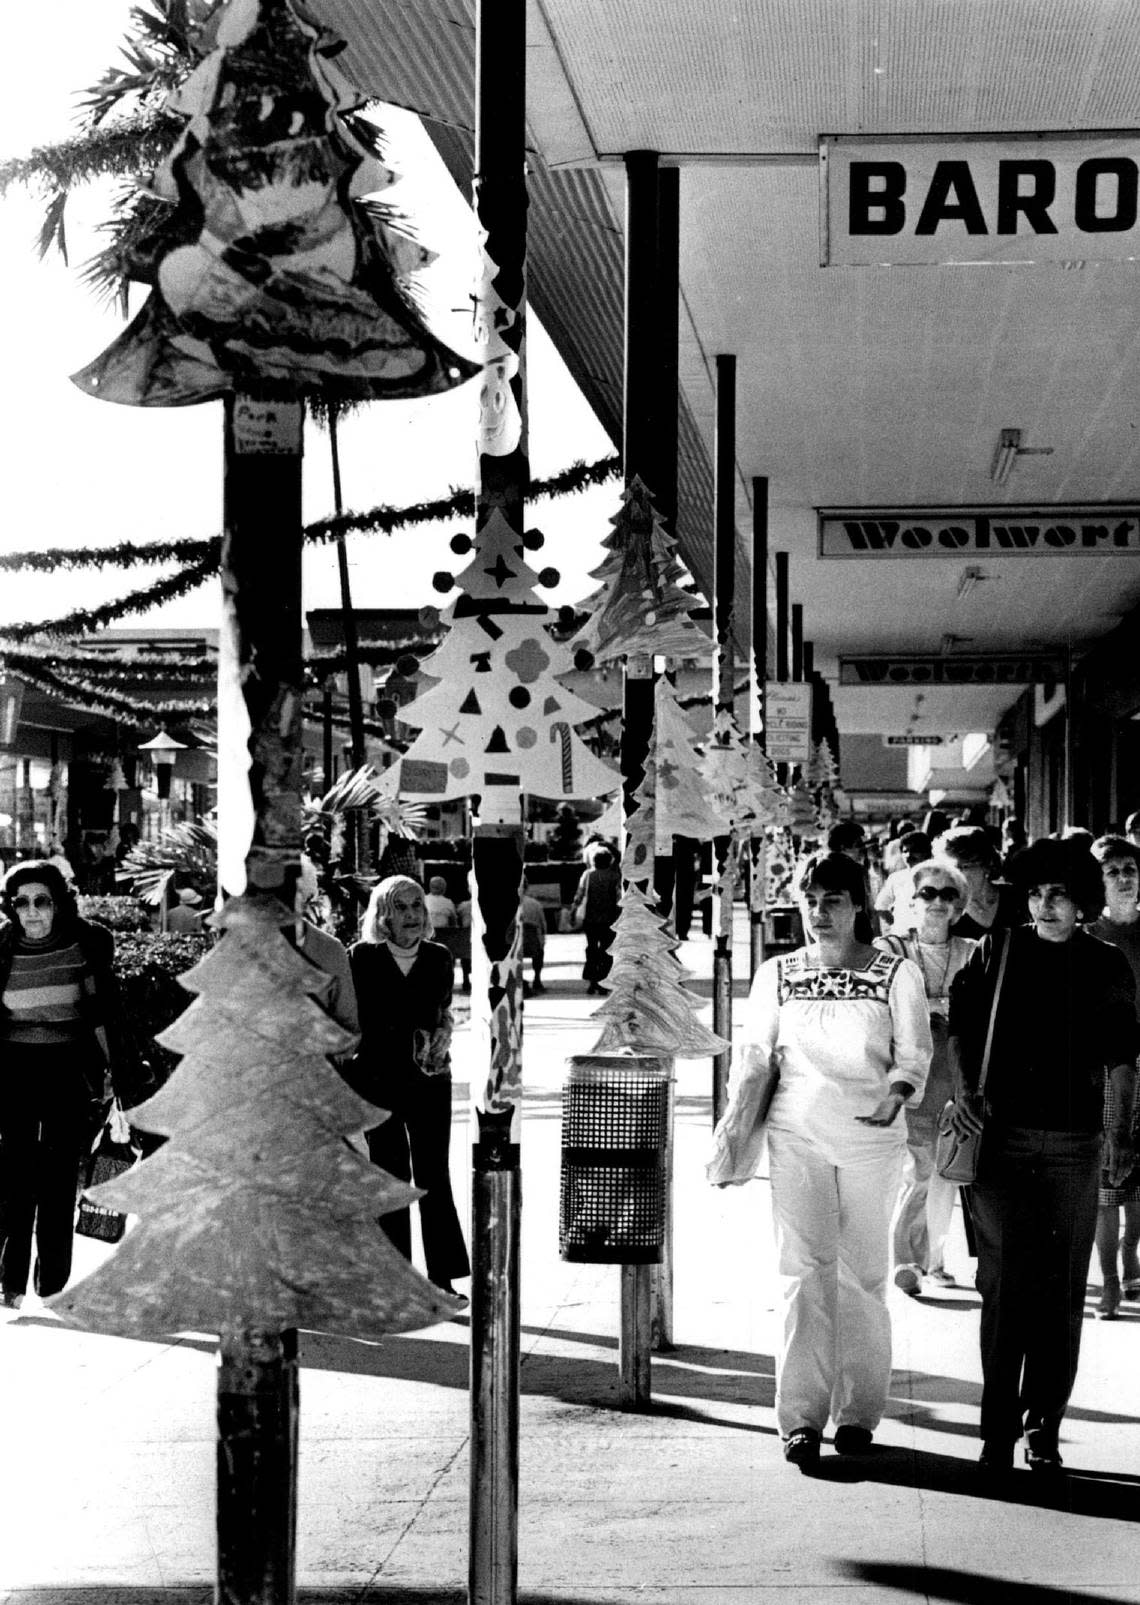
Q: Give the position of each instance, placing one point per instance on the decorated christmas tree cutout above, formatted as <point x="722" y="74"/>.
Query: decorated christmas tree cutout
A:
<point x="640" y="608"/>
<point x="273" y="271"/>
<point x="686" y="803"/>
<point x="649" y="1009"/>
<point x="256" y="1214"/>
<point x="495" y="715"/>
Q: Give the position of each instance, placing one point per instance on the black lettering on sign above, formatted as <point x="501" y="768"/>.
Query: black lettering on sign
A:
<point x="876" y="187"/>
<point x="1122" y="534"/>
<point x="870" y="671"/>
<point x="1089" y="190"/>
<point x="1034" y="204"/>
<point x="1016" y="537"/>
<point x="951" y="178"/>
<point x="1059" y="535"/>
<point x="954" y="538"/>
<point x="869" y="535"/>
<point x="1093" y="534"/>
<point x="916" y="539"/>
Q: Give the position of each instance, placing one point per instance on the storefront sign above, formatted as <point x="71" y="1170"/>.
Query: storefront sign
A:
<point x="973" y="532"/>
<point x="1058" y="197"/>
<point x="787" y="721"/>
<point x="1012" y="668"/>
<point x="913" y="741"/>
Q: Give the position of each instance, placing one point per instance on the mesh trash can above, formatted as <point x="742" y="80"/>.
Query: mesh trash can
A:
<point x="615" y="1115"/>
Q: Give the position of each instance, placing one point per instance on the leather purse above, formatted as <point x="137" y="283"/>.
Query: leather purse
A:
<point x="955" y="1156"/>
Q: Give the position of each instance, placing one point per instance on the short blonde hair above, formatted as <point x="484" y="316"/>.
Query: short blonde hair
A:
<point x="375" y="926"/>
<point x="948" y="869"/>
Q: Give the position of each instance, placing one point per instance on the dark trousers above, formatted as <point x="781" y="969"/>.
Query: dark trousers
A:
<point x="1034" y="1212"/>
<point x="412" y="1145"/>
<point x="46" y="1130"/>
<point x="599" y="940"/>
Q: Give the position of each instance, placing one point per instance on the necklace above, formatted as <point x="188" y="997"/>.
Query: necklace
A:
<point x="927" y="952"/>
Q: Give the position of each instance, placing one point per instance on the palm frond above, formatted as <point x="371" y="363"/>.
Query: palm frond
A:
<point x="189" y="849"/>
<point x="358" y="789"/>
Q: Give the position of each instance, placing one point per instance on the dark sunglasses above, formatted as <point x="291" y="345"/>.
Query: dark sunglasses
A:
<point x="928" y="894"/>
<point x="22" y="904"/>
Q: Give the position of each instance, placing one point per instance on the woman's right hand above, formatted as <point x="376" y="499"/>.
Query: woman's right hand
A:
<point x="964" y="1116"/>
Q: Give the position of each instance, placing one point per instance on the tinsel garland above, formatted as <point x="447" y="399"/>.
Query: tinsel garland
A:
<point x="86" y="620"/>
<point x="377" y="520"/>
<point x="97" y="700"/>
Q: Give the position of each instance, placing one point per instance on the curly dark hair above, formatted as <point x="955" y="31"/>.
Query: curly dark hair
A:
<point x="49" y="875"/>
<point x="1061" y="863"/>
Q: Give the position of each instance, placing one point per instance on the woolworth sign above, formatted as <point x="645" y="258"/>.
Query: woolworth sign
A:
<point x="866" y="532"/>
<point x="944" y="199"/>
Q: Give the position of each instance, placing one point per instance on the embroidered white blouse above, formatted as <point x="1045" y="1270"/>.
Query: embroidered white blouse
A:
<point x="839" y="1038"/>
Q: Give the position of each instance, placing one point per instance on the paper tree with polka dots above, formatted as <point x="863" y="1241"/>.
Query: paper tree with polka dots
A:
<point x="495" y="717"/>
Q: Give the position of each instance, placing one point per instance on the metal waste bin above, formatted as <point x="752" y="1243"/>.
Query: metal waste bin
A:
<point x="615" y="1126"/>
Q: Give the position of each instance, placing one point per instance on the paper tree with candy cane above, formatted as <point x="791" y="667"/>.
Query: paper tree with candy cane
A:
<point x="496" y="716"/>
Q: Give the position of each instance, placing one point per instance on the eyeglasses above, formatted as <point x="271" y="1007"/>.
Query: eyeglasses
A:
<point x="927" y="894"/>
<point x="39" y="904"/>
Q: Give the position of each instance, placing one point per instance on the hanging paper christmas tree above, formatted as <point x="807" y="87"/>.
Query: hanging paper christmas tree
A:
<point x="686" y="804"/>
<point x="256" y="1213"/>
<point x="640" y="609"/>
<point x="741" y="781"/>
<point x="649" y="1009"/>
<point x="272" y="272"/>
<point x="496" y="715"/>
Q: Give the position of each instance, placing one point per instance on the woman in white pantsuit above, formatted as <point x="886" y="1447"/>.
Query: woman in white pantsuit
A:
<point x="848" y="1027"/>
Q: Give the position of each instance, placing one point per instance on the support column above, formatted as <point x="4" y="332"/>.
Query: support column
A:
<point x="797" y="641"/>
<point x="260" y="699"/>
<point x="502" y="474"/>
<point x="641" y="428"/>
<point x="360" y="853"/>
<point x="724" y="602"/>
<point x="757" y="869"/>
<point x="782" y="632"/>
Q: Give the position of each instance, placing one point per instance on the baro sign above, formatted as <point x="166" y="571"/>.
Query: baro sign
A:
<point x="1062" y="197"/>
<point x="969" y="532"/>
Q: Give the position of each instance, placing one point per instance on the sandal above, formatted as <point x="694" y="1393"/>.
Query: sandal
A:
<point x="801" y="1448"/>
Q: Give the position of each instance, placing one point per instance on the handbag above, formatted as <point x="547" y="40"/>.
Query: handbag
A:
<point x="740" y="1136"/>
<point x="955" y="1156"/>
<point x="112" y="1153"/>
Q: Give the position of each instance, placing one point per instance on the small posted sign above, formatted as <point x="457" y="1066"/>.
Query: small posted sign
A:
<point x="787" y="721"/>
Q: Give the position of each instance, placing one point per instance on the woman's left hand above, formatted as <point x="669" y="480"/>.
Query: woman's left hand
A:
<point x="884" y="1113"/>
<point x="1118" y="1159"/>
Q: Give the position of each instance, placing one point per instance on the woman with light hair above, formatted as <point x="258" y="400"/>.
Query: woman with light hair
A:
<point x="403" y="984"/>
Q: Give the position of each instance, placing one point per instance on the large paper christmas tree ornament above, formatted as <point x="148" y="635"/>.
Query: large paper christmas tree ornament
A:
<point x="640" y="609"/>
<point x="649" y="1009"/>
<point x="685" y="802"/>
<point x="273" y="271"/>
<point x="256" y="1214"/>
<point x="495" y="715"/>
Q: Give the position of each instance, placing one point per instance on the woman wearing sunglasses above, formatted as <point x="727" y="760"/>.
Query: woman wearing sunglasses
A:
<point x="61" y="1028"/>
<point x="937" y="895"/>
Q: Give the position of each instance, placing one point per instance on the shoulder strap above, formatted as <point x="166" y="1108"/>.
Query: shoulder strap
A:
<point x="897" y="945"/>
<point x="1003" y="938"/>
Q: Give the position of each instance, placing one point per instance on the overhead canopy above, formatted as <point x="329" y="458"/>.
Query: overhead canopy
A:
<point x="881" y="388"/>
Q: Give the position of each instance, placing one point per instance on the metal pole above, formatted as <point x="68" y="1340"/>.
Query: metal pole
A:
<point x="351" y="652"/>
<point x="260" y="824"/>
<point x="797" y="641"/>
<point x="724" y="601"/>
<point x="759" y="623"/>
<point x="497" y="845"/>
<point x="641" y="456"/>
<point x="782" y="631"/>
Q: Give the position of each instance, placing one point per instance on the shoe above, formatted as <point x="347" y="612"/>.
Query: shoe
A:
<point x="996" y="1456"/>
<point x="853" y="1440"/>
<point x="801" y="1448"/>
<point x="11" y="1301"/>
<point x="1041" y="1453"/>
<point x="908" y="1278"/>
<point x="1109" y="1299"/>
<point x="941" y="1278"/>
<point x="593" y="991"/>
<point x="537" y="986"/>
<point x="1130" y="1287"/>
<point x="460" y="1298"/>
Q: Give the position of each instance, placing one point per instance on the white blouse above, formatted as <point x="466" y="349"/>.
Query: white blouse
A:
<point x="839" y="1038"/>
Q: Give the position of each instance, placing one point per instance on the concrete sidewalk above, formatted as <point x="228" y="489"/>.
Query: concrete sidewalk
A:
<point x="107" y="1445"/>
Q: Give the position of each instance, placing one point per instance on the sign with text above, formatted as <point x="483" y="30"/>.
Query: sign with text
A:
<point x="980" y="532"/>
<point x="913" y="741"/>
<point x="944" y="199"/>
<point x="787" y="721"/>
<point x="1001" y="668"/>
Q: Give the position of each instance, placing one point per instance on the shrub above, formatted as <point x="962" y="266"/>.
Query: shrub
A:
<point x="116" y="913"/>
<point x="148" y="964"/>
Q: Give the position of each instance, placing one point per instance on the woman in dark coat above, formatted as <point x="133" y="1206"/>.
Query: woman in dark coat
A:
<point x="64" y="1047"/>
<point x="1065" y="1020"/>
<point x="403" y="987"/>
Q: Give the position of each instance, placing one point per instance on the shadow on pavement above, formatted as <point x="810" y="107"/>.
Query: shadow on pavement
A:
<point x="1105" y="1495"/>
<point x="940" y="1583"/>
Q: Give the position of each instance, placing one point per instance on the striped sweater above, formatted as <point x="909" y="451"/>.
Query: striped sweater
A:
<point x="44" y="993"/>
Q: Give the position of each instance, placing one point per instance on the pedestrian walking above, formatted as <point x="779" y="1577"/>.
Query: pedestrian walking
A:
<point x="1058" y="1012"/>
<point x="848" y="1028"/>
<point x="403" y="984"/>
<point x="595" y="908"/>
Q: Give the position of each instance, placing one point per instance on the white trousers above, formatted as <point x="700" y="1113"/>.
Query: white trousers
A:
<point x="926" y="1202"/>
<point x="832" y="1226"/>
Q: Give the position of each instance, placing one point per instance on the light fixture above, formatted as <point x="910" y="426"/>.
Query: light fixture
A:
<point x="162" y="751"/>
<point x="1008" y="450"/>
<point x="11" y="701"/>
<point x="970" y="578"/>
